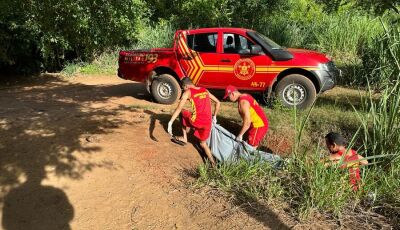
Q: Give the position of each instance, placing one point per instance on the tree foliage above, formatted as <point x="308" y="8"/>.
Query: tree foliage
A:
<point x="377" y="6"/>
<point x="45" y="33"/>
<point x="209" y="13"/>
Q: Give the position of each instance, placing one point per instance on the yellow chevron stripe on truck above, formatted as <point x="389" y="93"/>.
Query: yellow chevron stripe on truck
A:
<point x="196" y="66"/>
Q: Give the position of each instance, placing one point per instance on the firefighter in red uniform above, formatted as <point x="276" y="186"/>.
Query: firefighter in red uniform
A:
<point x="200" y="119"/>
<point x="337" y="146"/>
<point x="254" y="119"/>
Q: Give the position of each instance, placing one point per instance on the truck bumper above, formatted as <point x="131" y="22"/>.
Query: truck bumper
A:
<point x="327" y="78"/>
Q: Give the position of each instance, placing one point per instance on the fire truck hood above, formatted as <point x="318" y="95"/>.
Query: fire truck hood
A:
<point x="309" y="54"/>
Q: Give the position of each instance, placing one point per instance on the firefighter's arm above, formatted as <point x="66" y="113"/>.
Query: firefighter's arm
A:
<point x="244" y="110"/>
<point x="217" y="104"/>
<point x="330" y="160"/>
<point x="178" y="110"/>
<point x="362" y="160"/>
<point x="180" y="106"/>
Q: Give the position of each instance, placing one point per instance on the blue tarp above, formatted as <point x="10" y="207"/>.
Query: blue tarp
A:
<point x="225" y="148"/>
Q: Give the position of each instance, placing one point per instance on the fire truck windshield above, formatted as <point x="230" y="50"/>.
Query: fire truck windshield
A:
<point x="268" y="41"/>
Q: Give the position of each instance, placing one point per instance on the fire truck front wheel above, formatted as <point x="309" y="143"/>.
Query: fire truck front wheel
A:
<point x="165" y="89"/>
<point x="296" y="90"/>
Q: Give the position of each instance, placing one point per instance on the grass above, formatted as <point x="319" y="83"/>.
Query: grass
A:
<point x="370" y="121"/>
<point x="381" y="59"/>
<point x="356" y="42"/>
<point x="357" y="54"/>
<point x="149" y="36"/>
<point x="367" y="49"/>
<point x="104" y="64"/>
<point x="305" y="185"/>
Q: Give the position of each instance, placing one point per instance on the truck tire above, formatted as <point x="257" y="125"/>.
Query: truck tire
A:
<point x="296" y="90"/>
<point x="267" y="97"/>
<point x="165" y="89"/>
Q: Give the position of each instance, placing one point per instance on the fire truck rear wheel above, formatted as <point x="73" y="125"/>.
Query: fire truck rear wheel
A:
<point x="165" y="89"/>
<point x="296" y="90"/>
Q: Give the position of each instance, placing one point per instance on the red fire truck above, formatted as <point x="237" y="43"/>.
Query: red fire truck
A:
<point x="217" y="57"/>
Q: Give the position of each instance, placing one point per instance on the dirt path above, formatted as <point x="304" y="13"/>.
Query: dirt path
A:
<point x="93" y="153"/>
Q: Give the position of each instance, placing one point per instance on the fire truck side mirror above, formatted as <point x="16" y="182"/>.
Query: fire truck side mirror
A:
<point x="256" y="49"/>
<point x="244" y="52"/>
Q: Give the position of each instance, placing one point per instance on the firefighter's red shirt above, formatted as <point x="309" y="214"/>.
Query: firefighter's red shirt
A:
<point x="354" y="170"/>
<point x="201" y="116"/>
<point x="259" y="122"/>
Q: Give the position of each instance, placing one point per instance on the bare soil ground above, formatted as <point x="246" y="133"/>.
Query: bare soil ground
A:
<point x="92" y="152"/>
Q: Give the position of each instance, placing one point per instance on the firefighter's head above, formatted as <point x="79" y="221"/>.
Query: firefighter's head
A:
<point x="232" y="93"/>
<point x="186" y="83"/>
<point x="335" y="142"/>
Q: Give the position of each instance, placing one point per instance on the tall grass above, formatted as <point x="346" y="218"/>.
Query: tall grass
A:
<point x="106" y="63"/>
<point x="350" y="39"/>
<point x="381" y="128"/>
<point x="381" y="122"/>
<point x="343" y="36"/>
<point x="159" y="35"/>
<point x="381" y="58"/>
<point x="381" y="142"/>
<point x="306" y="185"/>
<point x="340" y="35"/>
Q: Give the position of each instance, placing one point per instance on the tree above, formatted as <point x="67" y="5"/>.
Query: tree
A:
<point x="210" y="13"/>
<point x="377" y="6"/>
<point x="47" y="33"/>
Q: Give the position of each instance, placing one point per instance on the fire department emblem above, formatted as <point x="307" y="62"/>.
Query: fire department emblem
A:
<point x="244" y="69"/>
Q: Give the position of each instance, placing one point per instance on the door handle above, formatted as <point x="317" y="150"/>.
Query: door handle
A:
<point x="225" y="60"/>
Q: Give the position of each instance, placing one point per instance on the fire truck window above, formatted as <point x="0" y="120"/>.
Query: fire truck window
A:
<point x="203" y="42"/>
<point x="245" y="43"/>
<point x="229" y="43"/>
<point x="233" y="43"/>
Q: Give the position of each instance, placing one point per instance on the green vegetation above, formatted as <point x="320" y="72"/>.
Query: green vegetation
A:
<point x="44" y="35"/>
<point x="50" y="35"/>
<point x="362" y="37"/>
<point x="370" y="121"/>
<point x="149" y="36"/>
<point x="105" y="63"/>
<point x="305" y="185"/>
<point x="381" y="58"/>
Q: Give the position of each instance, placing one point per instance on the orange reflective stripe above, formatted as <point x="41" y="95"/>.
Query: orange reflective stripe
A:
<point x="193" y="118"/>
<point x="254" y="137"/>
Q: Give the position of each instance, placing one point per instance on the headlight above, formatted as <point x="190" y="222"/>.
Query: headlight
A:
<point x="323" y="66"/>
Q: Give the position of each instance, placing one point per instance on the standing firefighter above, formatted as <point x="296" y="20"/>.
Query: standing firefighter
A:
<point x="200" y="119"/>
<point x="254" y="118"/>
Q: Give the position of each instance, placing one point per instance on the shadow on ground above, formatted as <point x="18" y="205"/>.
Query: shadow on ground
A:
<point x="163" y="119"/>
<point x="252" y="207"/>
<point x="259" y="211"/>
<point x="42" y="128"/>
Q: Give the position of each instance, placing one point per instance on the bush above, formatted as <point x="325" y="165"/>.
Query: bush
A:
<point x="49" y="33"/>
<point x="158" y="35"/>
<point x="106" y="63"/>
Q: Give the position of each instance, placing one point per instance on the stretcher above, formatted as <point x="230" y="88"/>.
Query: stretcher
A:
<point x="225" y="148"/>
